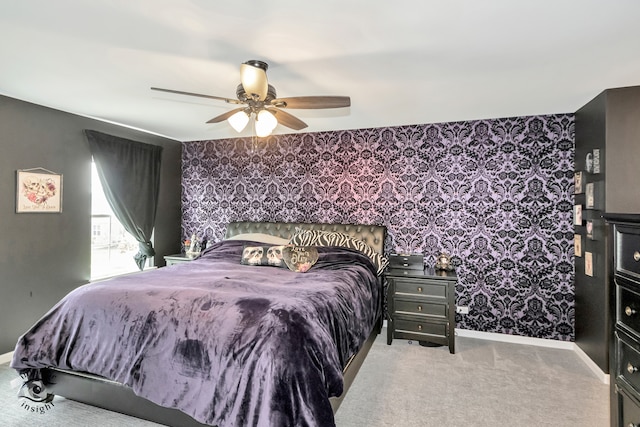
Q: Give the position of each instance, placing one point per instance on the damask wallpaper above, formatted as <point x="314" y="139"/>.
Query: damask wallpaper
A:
<point x="495" y="194"/>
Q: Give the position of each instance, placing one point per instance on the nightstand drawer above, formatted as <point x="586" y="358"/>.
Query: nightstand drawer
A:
<point x="406" y="262"/>
<point x="420" y="287"/>
<point x="420" y="308"/>
<point x="420" y="330"/>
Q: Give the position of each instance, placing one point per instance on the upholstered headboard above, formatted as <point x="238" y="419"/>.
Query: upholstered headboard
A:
<point x="372" y="235"/>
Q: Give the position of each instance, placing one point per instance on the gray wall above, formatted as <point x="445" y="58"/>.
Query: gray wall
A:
<point x="594" y="327"/>
<point x="44" y="256"/>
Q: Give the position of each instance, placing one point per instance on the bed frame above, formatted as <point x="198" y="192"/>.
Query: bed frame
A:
<point x="100" y="392"/>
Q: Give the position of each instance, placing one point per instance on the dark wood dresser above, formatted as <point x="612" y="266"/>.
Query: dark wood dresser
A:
<point x="607" y="155"/>
<point x="625" y="231"/>
<point x="421" y="306"/>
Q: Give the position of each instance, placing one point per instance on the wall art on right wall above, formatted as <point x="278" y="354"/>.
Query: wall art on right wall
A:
<point x="596" y="160"/>
<point x="589" y="196"/>
<point x="577" y="182"/>
<point x="588" y="264"/>
<point x="577" y="215"/>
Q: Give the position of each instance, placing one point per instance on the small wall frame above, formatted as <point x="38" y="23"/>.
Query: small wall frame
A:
<point x="577" y="245"/>
<point x="588" y="263"/>
<point x="577" y="214"/>
<point x="38" y="190"/>
<point x="578" y="182"/>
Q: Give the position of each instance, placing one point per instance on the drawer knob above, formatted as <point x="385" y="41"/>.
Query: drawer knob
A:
<point x="419" y="308"/>
<point x="419" y="327"/>
<point x="629" y="311"/>
<point x="636" y="256"/>
<point x="630" y="368"/>
<point x="419" y="289"/>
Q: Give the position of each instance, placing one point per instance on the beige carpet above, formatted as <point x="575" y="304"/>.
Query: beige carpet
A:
<point x="485" y="383"/>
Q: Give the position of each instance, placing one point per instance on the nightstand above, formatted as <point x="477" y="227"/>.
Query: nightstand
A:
<point x="176" y="259"/>
<point x="421" y="306"/>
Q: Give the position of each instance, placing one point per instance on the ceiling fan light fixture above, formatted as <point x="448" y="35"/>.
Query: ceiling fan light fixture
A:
<point x="262" y="130"/>
<point x="253" y="76"/>
<point x="268" y="119"/>
<point x="239" y="121"/>
<point x="265" y="123"/>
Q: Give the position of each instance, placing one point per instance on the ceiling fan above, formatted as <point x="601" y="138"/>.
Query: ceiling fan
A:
<point x="258" y="99"/>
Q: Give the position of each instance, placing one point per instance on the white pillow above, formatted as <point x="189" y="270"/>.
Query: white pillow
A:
<point x="260" y="237"/>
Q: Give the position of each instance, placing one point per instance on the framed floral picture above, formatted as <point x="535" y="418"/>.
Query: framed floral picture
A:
<point x="38" y="191"/>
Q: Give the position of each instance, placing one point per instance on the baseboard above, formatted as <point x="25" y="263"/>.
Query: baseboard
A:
<point x="516" y="339"/>
<point x="605" y="378"/>
<point x="6" y="358"/>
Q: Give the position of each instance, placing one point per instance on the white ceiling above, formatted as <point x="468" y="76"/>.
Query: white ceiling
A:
<point x="401" y="62"/>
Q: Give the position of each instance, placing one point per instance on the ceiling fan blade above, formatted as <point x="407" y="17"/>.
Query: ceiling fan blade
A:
<point x="253" y="76"/>
<point x="288" y="120"/>
<point x="179" y="92"/>
<point x="312" y="102"/>
<point x="225" y="116"/>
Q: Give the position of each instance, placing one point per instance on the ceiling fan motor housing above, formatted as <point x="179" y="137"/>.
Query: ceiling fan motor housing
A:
<point x="242" y="95"/>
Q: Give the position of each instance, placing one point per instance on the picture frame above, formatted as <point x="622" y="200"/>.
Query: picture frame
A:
<point x="577" y="245"/>
<point x="589" y="195"/>
<point x="588" y="264"/>
<point x="578" y="179"/>
<point x="38" y="190"/>
<point x="577" y="215"/>
<point x="588" y="162"/>
<point x="596" y="160"/>
<point x="593" y="229"/>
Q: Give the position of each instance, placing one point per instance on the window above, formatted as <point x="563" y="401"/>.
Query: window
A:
<point x="112" y="248"/>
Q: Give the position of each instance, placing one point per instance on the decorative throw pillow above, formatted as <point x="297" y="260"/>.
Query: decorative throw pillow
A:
<point x="332" y="238"/>
<point x="300" y="258"/>
<point x="263" y="255"/>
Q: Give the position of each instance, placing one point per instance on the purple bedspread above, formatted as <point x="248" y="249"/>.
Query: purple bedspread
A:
<point x="228" y="344"/>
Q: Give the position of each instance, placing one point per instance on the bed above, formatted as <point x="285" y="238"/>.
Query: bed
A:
<point x="255" y="344"/>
